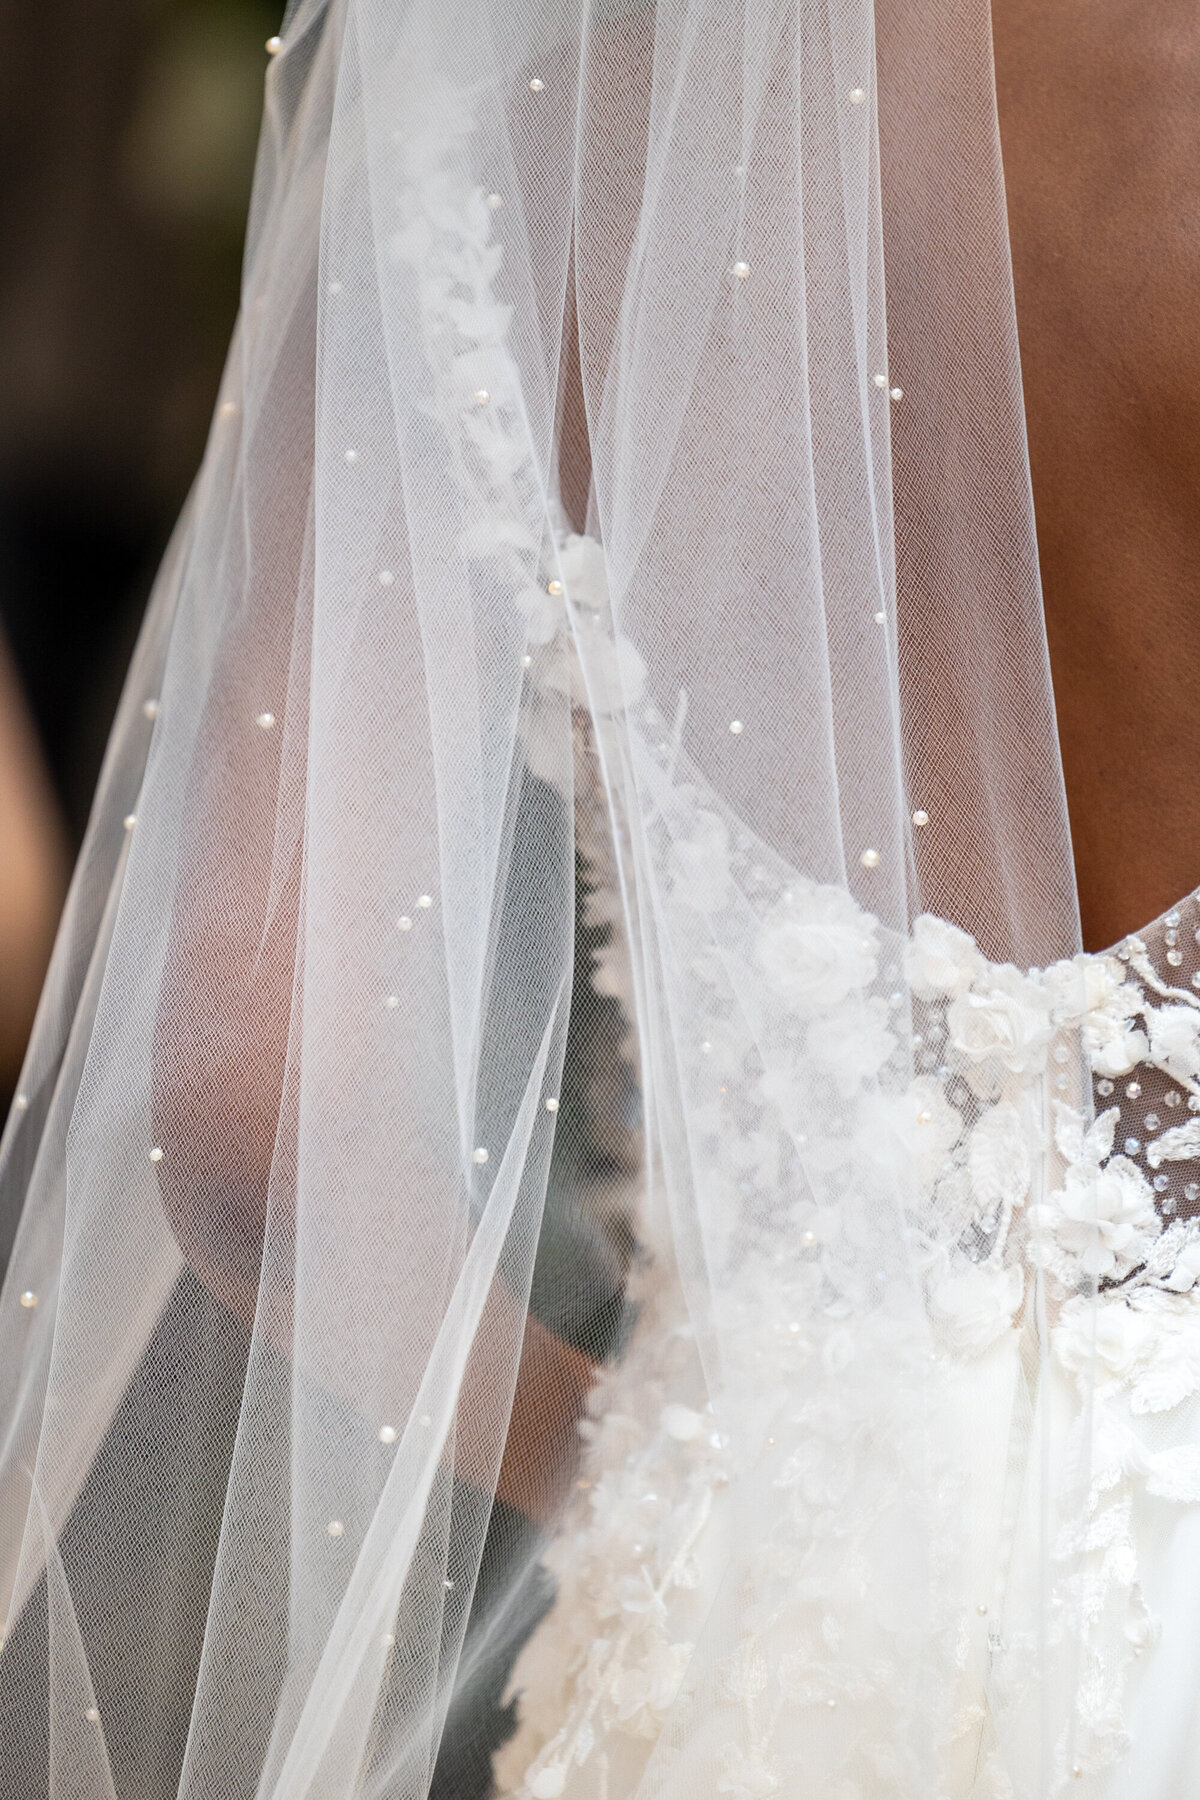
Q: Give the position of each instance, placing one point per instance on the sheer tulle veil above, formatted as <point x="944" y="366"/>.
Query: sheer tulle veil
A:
<point x="523" y="1198"/>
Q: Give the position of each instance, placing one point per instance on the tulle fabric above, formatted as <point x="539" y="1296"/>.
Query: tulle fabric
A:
<point x="615" y="530"/>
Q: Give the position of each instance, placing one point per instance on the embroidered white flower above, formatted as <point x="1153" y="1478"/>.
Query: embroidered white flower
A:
<point x="1103" y="1219"/>
<point x="1114" y="1044"/>
<point x="1088" y="984"/>
<point x="940" y="959"/>
<point x="817" y="947"/>
<point x="645" y="1691"/>
<point x="699" y="865"/>
<point x="853" y="1043"/>
<point x="1003" y="1018"/>
<point x="912" y="1132"/>
<point x="1175" y="1040"/>
<point x="746" y="1775"/>
<point x="974" y="1305"/>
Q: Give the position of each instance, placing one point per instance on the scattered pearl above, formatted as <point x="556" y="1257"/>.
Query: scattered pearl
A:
<point x="736" y="728"/>
<point x="29" y="1299"/>
<point x="387" y="1434"/>
<point x="479" y="1156"/>
<point x="857" y="96"/>
<point x="552" y="1105"/>
<point x="387" y="1641"/>
<point x="982" y="1610"/>
<point x="156" y="1154"/>
<point x="879" y="380"/>
<point x="897" y="393"/>
<point x="20" y="1102"/>
<point x="265" y="721"/>
<point x="741" y="270"/>
<point x="920" y="817"/>
<point x="448" y="1583"/>
<point x="831" y="1703"/>
<point x="869" y="859"/>
<point x="352" y="456"/>
<point x="495" y="202"/>
<point x="273" y="46"/>
<point x="392" y="1002"/>
<point x="335" y="1528"/>
<point x="881" y="618"/>
<point x="554" y="588"/>
<point x="527" y="661"/>
<point x="924" y="1117"/>
<point x="386" y="578"/>
<point x="150" y="709"/>
<point x="425" y="901"/>
<point x="808" y="1239"/>
<point x="404" y="923"/>
<point x="481" y="396"/>
<point x="227" y="409"/>
<point x="130" y="821"/>
<point x="92" y="1715"/>
<point x="335" y="287"/>
<point x="536" y="85"/>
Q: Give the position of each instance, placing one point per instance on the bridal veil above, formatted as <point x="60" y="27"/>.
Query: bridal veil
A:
<point x="556" y="1227"/>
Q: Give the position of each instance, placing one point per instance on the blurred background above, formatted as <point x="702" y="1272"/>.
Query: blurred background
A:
<point x="127" y="138"/>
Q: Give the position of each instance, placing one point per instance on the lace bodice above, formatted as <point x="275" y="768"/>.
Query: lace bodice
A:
<point x="1053" y="1135"/>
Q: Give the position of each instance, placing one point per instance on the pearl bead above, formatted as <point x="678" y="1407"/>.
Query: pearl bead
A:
<point x="20" y="1102"/>
<point x="479" y="1156"/>
<point x="92" y="1715"/>
<point x="924" y="1118"/>
<point x="495" y="202"/>
<point x="352" y="456"/>
<point x="808" y="1239"/>
<point x="404" y="923"/>
<point x="227" y="409"/>
<point x="881" y="618"/>
<point x="736" y="728"/>
<point x="387" y="1641"/>
<point x="857" y="96"/>
<point x="741" y="270"/>
<point x="920" y="817"/>
<point x="130" y="821"/>
<point x="536" y="85"/>
<point x="831" y="1703"/>
<point x="448" y="1583"/>
<point x="386" y="578"/>
<point x="273" y="46"/>
<point x="392" y="1002"/>
<point x="335" y="1528"/>
<point x="897" y="393"/>
<point x="425" y="901"/>
<point x="265" y="721"/>
<point x="552" y="1105"/>
<point x="879" y="380"/>
<point x="869" y="859"/>
<point x="481" y="396"/>
<point x="156" y="1154"/>
<point x="150" y="709"/>
<point x="981" y="1609"/>
<point x="387" y="1434"/>
<point x="29" y="1299"/>
<point x="335" y="287"/>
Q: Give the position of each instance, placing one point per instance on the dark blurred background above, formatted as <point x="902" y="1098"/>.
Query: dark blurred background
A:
<point x="127" y="136"/>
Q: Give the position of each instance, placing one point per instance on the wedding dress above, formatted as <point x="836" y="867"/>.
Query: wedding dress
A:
<point x="579" y="1218"/>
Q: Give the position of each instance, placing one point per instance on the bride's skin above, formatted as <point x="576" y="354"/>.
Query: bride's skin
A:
<point x="1101" y="135"/>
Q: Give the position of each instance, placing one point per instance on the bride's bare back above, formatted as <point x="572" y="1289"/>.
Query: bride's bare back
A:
<point x="1101" y="136"/>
